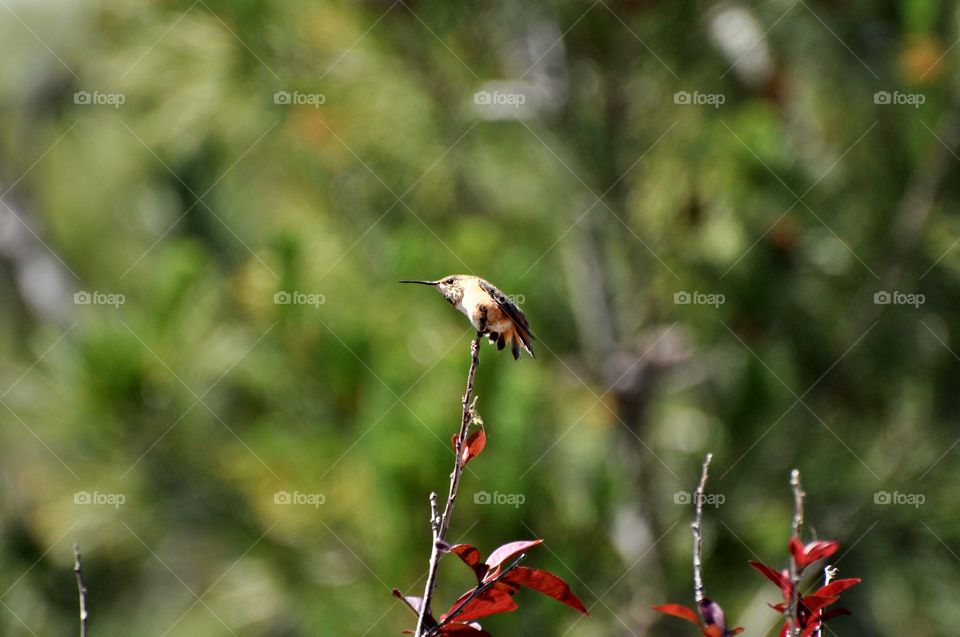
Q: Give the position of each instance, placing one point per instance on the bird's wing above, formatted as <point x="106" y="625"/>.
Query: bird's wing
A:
<point x="509" y="307"/>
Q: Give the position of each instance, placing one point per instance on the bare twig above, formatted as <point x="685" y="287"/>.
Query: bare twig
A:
<point x="479" y="590"/>
<point x="697" y="533"/>
<point x="439" y="526"/>
<point x="434" y="516"/>
<point x="793" y="609"/>
<point x="798" y="498"/>
<point x="81" y="589"/>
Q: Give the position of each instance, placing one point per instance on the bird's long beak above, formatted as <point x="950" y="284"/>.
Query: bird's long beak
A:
<point x="420" y="282"/>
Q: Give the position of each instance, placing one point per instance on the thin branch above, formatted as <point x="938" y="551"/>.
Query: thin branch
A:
<point x="798" y="498"/>
<point x="479" y="590"/>
<point x="697" y="533"/>
<point x="81" y="589"/>
<point x="440" y="526"/>
<point x="434" y="515"/>
<point x="793" y="609"/>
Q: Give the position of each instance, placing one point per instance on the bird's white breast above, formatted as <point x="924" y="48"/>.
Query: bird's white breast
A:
<point x="473" y="295"/>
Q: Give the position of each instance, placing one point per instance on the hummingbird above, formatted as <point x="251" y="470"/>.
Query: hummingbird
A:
<point x="491" y="312"/>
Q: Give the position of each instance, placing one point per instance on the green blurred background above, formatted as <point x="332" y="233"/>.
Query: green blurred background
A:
<point x="168" y="168"/>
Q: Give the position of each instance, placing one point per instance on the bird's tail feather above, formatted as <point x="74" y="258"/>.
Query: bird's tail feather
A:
<point x="519" y="339"/>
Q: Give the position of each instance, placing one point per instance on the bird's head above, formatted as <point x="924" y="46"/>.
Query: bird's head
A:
<point x="451" y="287"/>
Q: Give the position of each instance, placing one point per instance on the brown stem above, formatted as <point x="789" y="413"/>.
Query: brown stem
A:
<point x="440" y="526"/>
<point x="793" y="609"/>
<point x="697" y="534"/>
<point x="81" y="589"/>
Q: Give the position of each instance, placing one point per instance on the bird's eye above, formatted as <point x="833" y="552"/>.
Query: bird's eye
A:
<point x="449" y="281"/>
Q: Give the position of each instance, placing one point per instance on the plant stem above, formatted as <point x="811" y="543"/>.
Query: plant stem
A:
<point x="440" y="526"/>
<point x="81" y="589"/>
<point x="697" y="533"/>
<point x="793" y="609"/>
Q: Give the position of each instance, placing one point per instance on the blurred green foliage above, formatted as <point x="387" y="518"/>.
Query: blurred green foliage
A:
<point x="210" y="189"/>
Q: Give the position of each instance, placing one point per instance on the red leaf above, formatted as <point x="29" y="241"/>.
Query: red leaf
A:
<point x="816" y="602"/>
<point x="713" y="631"/>
<point x="473" y="446"/>
<point x="457" y="629"/>
<point x="678" y="610"/>
<point x="471" y="557"/>
<point x="506" y="553"/>
<point x="836" y="587"/>
<point x="546" y="583"/>
<point x="490" y="602"/>
<point x="781" y="579"/>
<point x="807" y="555"/>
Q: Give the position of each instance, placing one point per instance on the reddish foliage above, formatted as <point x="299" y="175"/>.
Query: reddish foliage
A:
<point x="546" y="583"/>
<point x="506" y="553"/>
<point x="714" y="620"/>
<point x="810" y="608"/>
<point x="457" y="629"/>
<point x="678" y="610"/>
<point x="804" y="556"/>
<point x="780" y="578"/>
<point x="491" y="601"/>
<point x="498" y="580"/>
<point x="472" y="446"/>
